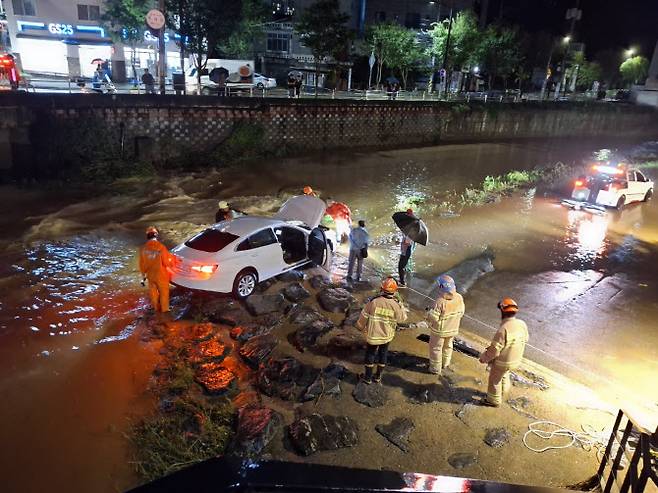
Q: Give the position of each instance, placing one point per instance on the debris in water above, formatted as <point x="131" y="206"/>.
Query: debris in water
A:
<point x="75" y="348"/>
<point x="460" y="460"/>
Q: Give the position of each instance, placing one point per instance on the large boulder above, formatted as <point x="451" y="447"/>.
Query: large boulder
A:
<point x="317" y="432"/>
<point x="295" y="292"/>
<point x="336" y="300"/>
<point x="246" y="332"/>
<point x="291" y="276"/>
<point x="326" y="383"/>
<point x="214" y="377"/>
<point x="212" y="349"/>
<point x="258" y="348"/>
<point x="261" y="304"/>
<point x="257" y="426"/>
<point x="285" y="378"/>
<point x="397" y="432"/>
<point x="197" y="332"/>
<point x="321" y="282"/>
<point x="307" y="337"/>
<point x="371" y="395"/>
<point x="221" y="310"/>
<point x="352" y="316"/>
<point x="303" y="315"/>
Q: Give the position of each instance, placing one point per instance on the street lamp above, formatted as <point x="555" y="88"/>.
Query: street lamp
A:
<point x="566" y="39"/>
<point x="629" y="52"/>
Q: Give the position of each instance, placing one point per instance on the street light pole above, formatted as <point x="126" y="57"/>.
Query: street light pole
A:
<point x="574" y="14"/>
<point x="445" y="54"/>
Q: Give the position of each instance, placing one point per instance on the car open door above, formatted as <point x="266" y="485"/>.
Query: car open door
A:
<point x="319" y="251"/>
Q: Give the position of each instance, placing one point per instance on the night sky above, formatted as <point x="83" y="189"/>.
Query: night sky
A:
<point x="605" y="24"/>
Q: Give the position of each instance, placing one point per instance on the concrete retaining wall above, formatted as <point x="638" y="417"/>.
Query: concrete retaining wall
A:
<point x="35" y="126"/>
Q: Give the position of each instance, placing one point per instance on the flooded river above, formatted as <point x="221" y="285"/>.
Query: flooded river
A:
<point x="73" y="369"/>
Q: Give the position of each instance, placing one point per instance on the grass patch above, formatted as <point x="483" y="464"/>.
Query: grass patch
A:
<point x="493" y="188"/>
<point x="191" y="431"/>
<point x="648" y="165"/>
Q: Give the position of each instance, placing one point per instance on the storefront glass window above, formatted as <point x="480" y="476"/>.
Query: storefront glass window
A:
<point x="24" y="7"/>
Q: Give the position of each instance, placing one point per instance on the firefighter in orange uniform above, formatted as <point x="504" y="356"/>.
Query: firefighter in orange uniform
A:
<point x="379" y="320"/>
<point x="154" y="259"/>
<point x="505" y="352"/>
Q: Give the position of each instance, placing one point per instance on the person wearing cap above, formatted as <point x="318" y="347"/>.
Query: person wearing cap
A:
<point x="309" y="191"/>
<point x="379" y="320"/>
<point x="505" y="352"/>
<point x="224" y="212"/>
<point x="154" y="260"/>
<point x="444" y="320"/>
<point x="407" y="247"/>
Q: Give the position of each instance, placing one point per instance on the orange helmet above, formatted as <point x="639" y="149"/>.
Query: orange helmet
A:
<point x="389" y="285"/>
<point x="410" y="212"/>
<point x="152" y="230"/>
<point x="308" y="190"/>
<point x="508" y="305"/>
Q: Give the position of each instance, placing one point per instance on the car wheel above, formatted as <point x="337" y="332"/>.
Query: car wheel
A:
<point x="205" y="92"/>
<point x="621" y="202"/>
<point x="245" y="283"/>
<point x="260" y="85"/>
<point x="648" y="195"/>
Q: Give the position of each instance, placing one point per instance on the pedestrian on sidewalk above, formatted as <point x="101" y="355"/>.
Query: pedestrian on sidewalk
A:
<point x="407" y="248"/>
<point x="444" y="320"/>
<point x="148" y="81"/>
<point x="154" y="263"/>
<point x="359" y="240"/>
<point x="505" y="352"/>
<point x="379" y="320"/>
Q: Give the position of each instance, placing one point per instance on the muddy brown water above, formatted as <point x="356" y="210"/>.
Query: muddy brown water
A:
<point x="73" y="373"/>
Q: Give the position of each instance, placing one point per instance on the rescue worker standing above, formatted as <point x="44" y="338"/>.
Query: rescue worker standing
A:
<point x="444" y="320"/>
<point x="505" y="352"/>
<point x="154" y="258"/>
<point x="407" y="248"/>
<point x="359" y="239"/>
<point x="379" y="320"/>
<point x="224" y="212"/>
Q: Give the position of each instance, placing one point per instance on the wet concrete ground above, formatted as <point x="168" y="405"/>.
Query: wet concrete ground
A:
<point x="587" y="285"/>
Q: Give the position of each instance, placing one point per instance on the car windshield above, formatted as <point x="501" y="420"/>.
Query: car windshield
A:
<point x="211" y="240"/>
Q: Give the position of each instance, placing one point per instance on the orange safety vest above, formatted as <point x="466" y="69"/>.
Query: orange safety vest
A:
<point x="154" y="259"/>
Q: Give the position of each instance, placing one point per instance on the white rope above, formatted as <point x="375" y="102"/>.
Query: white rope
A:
<point x="588" y="439"/>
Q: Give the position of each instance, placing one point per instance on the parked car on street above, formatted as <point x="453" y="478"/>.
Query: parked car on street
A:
<point x="234" y="256"/>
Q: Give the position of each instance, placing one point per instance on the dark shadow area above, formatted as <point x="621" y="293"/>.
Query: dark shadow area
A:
<point x="442" y="391"/>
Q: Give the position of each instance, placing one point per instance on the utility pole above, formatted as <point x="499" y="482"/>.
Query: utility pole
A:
<point x="574" y="14"/>
<point x="162" y="53"/>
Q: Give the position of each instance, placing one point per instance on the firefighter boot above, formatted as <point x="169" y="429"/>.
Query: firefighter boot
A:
<point x="378" y="374"/>
<point x="367" y="376"/>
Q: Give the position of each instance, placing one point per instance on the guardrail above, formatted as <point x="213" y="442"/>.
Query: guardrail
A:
<point x="635" y="451"/>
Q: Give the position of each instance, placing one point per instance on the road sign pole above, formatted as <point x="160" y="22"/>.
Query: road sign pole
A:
<point x="162" y="53"/>
<point x="371" y="62"/>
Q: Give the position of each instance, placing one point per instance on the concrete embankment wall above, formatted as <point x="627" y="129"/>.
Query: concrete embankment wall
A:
<point x="51" y="128"/>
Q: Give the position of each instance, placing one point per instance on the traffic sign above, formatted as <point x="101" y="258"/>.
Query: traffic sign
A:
<point x="155" y="19"/>
<point x="371" y="60"/>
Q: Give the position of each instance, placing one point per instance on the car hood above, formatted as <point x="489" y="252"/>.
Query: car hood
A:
<point x="304" y="208"/>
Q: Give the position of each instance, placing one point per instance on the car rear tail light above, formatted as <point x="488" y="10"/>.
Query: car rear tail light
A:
<point x="204" y="269"/>
<point x="579" y="183"/>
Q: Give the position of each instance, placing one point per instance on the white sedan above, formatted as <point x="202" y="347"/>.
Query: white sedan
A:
<point x="613" y="186"/>
<point x="234" y="256"/>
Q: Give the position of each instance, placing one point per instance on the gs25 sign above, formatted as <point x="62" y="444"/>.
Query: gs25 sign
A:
<point x="62" y="29"/>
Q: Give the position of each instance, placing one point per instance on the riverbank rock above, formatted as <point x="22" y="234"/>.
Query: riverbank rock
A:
<point x="352" y="316"/>
<point x="291" y="276"/>
<point x="244" y="333"/>
<point x="335" y="300"/>
<point x="496" y="437"/>
<point x="261" y="304"/>
<point x="257" y="426"/>
<point x="321" y="282"/>
<point x="197" y="332"/>
<point x="258" y="348"/>
<point x="317" y="432"/>
<point x="221" y="310"/>
<point x="397" y="432"/>
<point x="214" y="377"/>
<point x="460" y="460"/>
<point x="212" y="349"/>
<point x="295" y="292"/>
<point x="285" y="378"/>
<point x="326" y="383"/>
<point x="303" y="315"/>
<point x="307" y="337"/>
<point x="341" y="340"/>
<point x="371" y="395"/>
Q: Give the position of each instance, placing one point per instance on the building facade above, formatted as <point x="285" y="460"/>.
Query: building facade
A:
<point x="64" y="37"/>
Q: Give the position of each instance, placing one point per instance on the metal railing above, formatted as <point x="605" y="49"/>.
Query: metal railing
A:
<point x="635" y="451"/>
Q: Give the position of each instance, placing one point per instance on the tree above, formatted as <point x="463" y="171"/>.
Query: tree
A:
<point x="634" y="70"/>
<point x="203" y="26"/>
<point x="411" y="55"/>
<point x="588" y="72"/>
<point x="500" y="52"/>
<point x="322" y="29"/>
<point x="125" y="21"/>
<point x="464" y="40"/>
<point x="240" y="42"/>
<point x="379" y="40"/>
